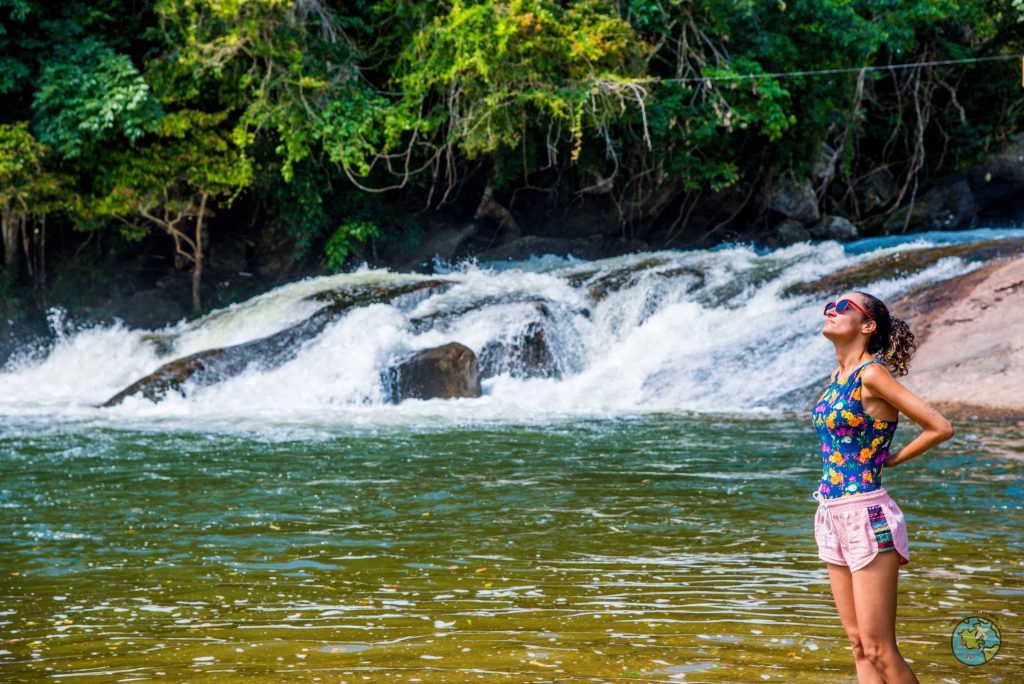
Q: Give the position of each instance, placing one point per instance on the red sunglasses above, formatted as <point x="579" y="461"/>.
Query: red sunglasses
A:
<point x="843" y="304"/>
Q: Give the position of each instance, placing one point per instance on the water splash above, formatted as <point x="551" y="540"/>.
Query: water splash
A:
<point x="706" y="331"/>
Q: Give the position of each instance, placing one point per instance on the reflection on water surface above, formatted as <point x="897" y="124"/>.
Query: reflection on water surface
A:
<point x="659" y="549"/>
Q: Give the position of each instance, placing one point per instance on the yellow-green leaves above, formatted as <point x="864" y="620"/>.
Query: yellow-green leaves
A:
<point x="476" y="73"/>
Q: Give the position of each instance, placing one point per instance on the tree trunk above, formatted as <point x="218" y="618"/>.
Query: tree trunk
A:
<point x="26" y="244"/>
<point x="41" y="247"/>
<point x="491" y="209"/>
<point x="197" y="269"/>
<point x="8" y="221"/>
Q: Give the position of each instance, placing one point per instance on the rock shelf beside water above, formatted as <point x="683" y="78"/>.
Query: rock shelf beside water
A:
<point x="970" y="360"/>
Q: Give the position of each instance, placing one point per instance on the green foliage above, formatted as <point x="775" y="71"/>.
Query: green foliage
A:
<point x="370" y="216"/>
<point x="278" y="65"/>
<point x="485" y="73"/>
<point x="352" y="130"/>
<point x="25" y="185"/>
<point x="345" y="239"/>
<point x="89" y="93"/>
<point x="158" y="182"/>
<point x="15" y="58"/>
<point x="136" y="109"/>
<point x="298" y="207"/>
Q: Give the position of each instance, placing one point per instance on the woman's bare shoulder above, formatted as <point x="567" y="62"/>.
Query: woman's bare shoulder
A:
<point x="875" y="372"/>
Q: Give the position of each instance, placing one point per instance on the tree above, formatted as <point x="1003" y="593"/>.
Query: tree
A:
<point x="28" y="192"/>
<point x="88" y="95"/>
<point x="171" y="182"/>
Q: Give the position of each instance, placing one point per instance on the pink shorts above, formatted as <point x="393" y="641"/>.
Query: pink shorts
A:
<point x="852" y="530"/>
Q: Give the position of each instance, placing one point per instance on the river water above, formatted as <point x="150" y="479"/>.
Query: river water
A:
<point x="644" y="515"/>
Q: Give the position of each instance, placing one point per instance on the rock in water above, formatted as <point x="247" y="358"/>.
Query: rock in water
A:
<point x="166" y="378"/>
<point x="902" y="264"/>
<point x="527" y="355"/>
<point x="444" y="372"/>
<point x="216" y="365"/>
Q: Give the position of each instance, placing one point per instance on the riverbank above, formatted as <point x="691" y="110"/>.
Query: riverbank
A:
<point x="970" y="360"/>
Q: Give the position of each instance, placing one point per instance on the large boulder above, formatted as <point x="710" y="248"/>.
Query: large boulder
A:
<point x="990" y="192"/>
<point x="211" y="366"/>
<point x="526" y="352"/>
<point x="876" y="191"/>
<point x="997" y="184"/>
<point x="795" y="200"/>
<point x="834" y="228"/>
<point x="444" y="372"/>
<point x="526" y="355"/>
<point x="949" y="205"/>
<point x="789" y="232"/>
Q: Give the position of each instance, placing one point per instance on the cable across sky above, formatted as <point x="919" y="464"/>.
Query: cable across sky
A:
<point x="843" y="70"/>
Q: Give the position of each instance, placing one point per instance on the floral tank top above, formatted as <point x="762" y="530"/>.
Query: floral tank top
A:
<point x="853" y="444"/>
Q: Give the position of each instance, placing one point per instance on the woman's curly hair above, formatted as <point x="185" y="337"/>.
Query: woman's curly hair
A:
<point x="892" y="341"/>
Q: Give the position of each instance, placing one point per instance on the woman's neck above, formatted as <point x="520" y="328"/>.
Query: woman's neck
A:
<point x="849" y="357"/>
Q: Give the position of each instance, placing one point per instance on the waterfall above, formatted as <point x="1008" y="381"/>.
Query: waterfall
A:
<point x="731" y="329"/>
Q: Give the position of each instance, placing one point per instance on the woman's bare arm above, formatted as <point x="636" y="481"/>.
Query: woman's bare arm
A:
<point x="936" y="429"/>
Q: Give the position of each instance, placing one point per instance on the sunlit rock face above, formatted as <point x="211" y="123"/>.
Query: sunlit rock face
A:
<point x="970" y="359"/>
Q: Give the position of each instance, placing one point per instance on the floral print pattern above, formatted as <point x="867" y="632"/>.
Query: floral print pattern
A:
<point x="853" y="444"/>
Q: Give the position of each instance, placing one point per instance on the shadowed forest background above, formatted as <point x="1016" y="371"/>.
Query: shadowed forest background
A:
<point x="161" y="158"/>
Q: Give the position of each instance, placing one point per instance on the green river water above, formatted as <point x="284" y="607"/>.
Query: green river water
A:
<point x="657" y="548"/>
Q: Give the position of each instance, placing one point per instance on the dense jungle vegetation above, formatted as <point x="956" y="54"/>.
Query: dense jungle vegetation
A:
<point x="338" y="129"/>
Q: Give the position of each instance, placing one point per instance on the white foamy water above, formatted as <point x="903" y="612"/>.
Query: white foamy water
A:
<point x="705" y="331"/>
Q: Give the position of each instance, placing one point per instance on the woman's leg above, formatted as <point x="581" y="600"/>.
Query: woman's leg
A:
<point x="842" y="592"/>
<point x="874" y="596"/>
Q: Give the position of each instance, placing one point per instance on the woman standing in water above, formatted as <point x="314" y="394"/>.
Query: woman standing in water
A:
<point x="859" y="529"/>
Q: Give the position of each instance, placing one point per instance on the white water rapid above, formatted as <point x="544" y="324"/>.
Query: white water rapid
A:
<point x="704" y="331"/>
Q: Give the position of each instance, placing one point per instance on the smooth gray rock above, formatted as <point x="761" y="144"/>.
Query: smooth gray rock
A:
<point x="834" y="228"/>
<point x="790" y="232"/>
<point x="877" y="191"/>
<point x="948" y="206"/>
<point x="794" y="200"/>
